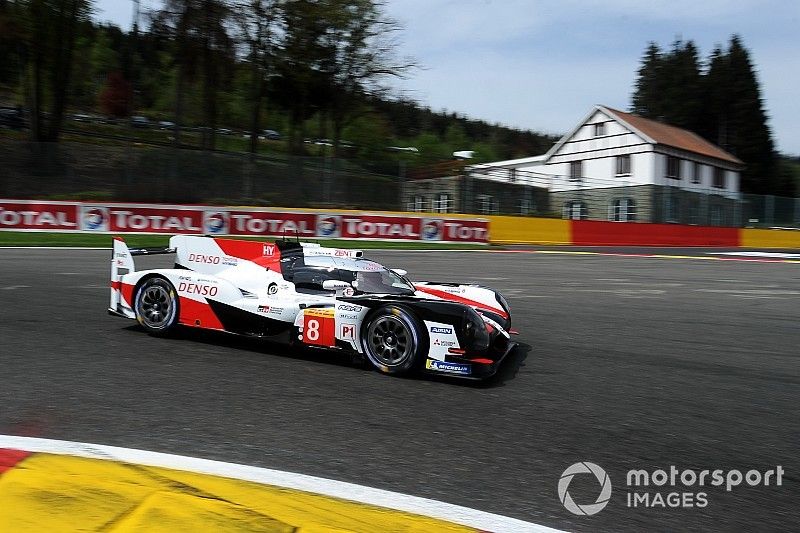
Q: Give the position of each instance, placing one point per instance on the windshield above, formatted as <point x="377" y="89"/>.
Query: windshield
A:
<point x="381" y="282"/>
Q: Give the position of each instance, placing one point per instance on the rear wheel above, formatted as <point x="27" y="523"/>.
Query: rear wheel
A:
<point x="393" y="340"/>
<point x="156" y="306"/>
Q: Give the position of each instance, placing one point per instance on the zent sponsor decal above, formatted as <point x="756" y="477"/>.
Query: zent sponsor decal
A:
<point x="449" y="368"/>
<point x="446" y="331"/>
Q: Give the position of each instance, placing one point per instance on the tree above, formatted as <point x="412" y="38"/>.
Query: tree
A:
<point x="47" y="47"/>
<point x="722" y="104"/>
<point x="359" y="56"/>
<point x="115" y="98"/>
<point x="258" y="22"/>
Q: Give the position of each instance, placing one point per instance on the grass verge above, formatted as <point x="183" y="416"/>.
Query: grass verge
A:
<point x="23" y="238"/>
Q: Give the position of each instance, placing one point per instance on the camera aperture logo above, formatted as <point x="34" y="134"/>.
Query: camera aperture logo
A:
<point x="669" y="487"/>
<point x="587" y="509"/>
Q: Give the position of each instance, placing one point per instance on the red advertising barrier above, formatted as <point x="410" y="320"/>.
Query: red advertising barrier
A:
<point x="596" y="233"/>
<point x="46" y="216"/>
<point x="174" y="219"/>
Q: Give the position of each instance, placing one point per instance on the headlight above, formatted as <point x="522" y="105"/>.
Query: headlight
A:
<point x="475" y="332"/>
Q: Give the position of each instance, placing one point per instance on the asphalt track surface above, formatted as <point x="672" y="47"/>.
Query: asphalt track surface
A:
<point x="627" y="362"/>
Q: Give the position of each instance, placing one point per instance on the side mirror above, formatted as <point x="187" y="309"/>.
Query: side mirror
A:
<point x="400" y="272"/>
<point x="334" y="285"/>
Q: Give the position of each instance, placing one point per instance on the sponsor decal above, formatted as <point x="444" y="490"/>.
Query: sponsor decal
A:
<point x="156" y="220"/>
<point x="269" y="250"/>
<point x="21" y="215"/>
<point x="448" y="368"/>
<point x="270" y="310"/>
<point x="344" y="253"/>
<point x="348" y="317"/>
<point x="94" y="218"/>
<point x="445" y="331"/>
<point x="432" y="229"/>
<point x="207" y="259"/>
<point x="197" y="288"/>
<point x="215" y="222"/>
<point x="454" y="290"/>
<point x="348" y="331"/>
<point x="348" y="291"/>
<point x="230" y="261"/>
<point x="446" y="344"/>
<point x="326" y="312"/>
<point x="466" y="231"/>
<point x="272" y="288"/>
<point x="380" y="227"/>
<point x="348" y="307"/>
<point x="328" y="226"/>
<point x="272" y="223"/>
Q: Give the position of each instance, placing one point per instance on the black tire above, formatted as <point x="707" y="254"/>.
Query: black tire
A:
<point x="156" y="306"/>
<point x="393" y="340"/>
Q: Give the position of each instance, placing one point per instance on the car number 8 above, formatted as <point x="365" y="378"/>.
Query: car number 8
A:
<point x="312" y="332"/>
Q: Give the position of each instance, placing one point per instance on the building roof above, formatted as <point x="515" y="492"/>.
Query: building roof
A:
<point x="660" y="133"/>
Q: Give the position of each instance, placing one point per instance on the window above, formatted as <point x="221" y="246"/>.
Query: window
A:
<point x="417" y="203"/>
<point x="487" y="204"/>
<point x="526" y="207"/>
<point x="443" y="203"/>
<point x="622" y="210"/>
<point x="600" y="129"/>
<point x="694" y="211"/>
<point x="576" y="171"/>
<point x="673" y="208"/>
<point x="697" y="173"/>
<point x="512" y="175"/>
<point x="719" y="178"/>
<point x="716" y="215"/>
<point x="673" y="167"/>
<point x="575" y="210"/>
<point x="623" y="165"/>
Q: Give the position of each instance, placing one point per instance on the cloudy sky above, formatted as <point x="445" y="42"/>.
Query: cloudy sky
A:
<point x="541" y="65"/>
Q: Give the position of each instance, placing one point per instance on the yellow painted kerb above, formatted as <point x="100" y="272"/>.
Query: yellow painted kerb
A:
<point x="63" y="493"/>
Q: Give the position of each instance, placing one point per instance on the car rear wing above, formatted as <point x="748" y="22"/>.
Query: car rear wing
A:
<point x="122" y="264"/>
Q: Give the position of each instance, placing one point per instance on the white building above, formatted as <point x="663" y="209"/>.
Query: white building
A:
<point x="619" y="166"/>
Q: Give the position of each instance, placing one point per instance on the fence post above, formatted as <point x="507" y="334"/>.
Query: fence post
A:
<point x="769" y="209"/>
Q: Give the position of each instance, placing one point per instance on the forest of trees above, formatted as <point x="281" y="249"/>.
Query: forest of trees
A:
<point x="321" y="69"/>
<point x="306" y="68"/>
<point x="719" y="99"/>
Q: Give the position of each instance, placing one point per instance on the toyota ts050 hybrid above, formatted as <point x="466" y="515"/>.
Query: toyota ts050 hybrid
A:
<point x="322" y="297"/>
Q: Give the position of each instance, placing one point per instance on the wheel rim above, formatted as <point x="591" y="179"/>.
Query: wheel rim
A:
<point x="155" y="306"/>
<point x="390" y="340"/>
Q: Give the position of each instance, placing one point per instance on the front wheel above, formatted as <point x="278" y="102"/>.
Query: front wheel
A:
<point x="393" y="340"/>
<point x="156" y="306"/>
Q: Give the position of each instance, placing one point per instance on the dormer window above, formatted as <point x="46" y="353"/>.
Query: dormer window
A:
<point x="599" y="129"/>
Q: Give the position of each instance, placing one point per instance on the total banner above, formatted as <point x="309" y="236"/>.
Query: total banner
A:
<point x="34" y="215"/>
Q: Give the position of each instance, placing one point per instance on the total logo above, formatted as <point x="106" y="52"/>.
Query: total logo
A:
<point x="215" y="222"/>
<point x="94" y="218"/>
<point x="432" y="229"/>
<point x="328" y="226"/>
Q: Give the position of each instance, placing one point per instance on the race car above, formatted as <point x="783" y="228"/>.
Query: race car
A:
<point x="321" y="297"/>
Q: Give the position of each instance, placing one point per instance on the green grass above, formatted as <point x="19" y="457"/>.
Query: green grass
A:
<point x="21" y="238"/>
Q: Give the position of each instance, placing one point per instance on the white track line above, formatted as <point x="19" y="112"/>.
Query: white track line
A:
<point x="327" y="487"/>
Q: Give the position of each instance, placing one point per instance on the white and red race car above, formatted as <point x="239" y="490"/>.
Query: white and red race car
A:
<point x="322" y="297"/>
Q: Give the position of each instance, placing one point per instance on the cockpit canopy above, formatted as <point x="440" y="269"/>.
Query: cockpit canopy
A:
<point x="309" y="272"/>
